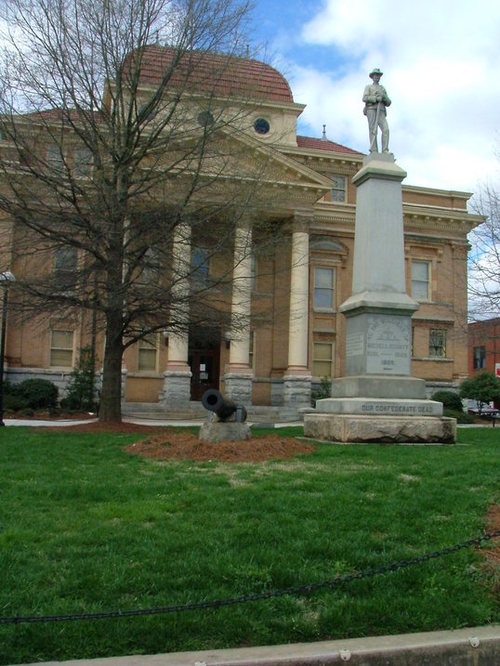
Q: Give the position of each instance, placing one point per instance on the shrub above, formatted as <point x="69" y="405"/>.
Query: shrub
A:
<point x="38" y="393"/>
<point x="27" y="412"/>
<point x="483" y="388"/>
<point x="13" y="402"/>
<point x="450" y="400"/>
<point x="80" y="393"/>
<point x="462" y="417"/>
<point x="323" y="391"/>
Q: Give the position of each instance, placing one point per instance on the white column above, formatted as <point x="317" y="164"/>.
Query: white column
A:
<point x="177" y="383"/>
<point x="181" y="268"/>
<point x="297" y="378"/>
<point x="299" y="303"/>
<point x="241" y="298"/>
<point x="238" y="378"/>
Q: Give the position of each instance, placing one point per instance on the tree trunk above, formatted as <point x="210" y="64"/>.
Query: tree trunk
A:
<point x="110" y="405"/>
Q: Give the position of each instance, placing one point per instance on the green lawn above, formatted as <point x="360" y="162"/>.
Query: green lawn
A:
<point x="86" y="527"/>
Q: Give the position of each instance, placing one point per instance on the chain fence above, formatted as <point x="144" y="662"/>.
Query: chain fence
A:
<point x="299" y="590"/>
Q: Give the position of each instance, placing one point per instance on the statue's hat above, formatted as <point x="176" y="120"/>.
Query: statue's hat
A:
<point x="376" y="71"/>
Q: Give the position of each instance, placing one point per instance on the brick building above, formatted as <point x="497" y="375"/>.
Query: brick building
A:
<point x="484" y="346"/>
<point x="309" y="195"/>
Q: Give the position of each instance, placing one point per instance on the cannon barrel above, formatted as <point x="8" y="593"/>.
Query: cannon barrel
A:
<point x="214" y="401"/>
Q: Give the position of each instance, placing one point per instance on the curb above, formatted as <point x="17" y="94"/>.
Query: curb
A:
<point x="479" y="646"/>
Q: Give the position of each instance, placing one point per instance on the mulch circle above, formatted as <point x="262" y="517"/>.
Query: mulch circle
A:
<point x="166" y="443"/>
<point x="182" y="446"/>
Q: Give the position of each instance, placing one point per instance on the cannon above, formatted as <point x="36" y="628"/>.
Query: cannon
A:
<point x="214" y="401"/>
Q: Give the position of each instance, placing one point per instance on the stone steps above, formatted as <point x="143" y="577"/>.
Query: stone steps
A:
<point x="195" y="411"/>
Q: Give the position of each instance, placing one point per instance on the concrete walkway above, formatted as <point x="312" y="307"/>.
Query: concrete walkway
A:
<point x="136" y="421"/>
<point x="479" y="646"/>
<point x="173" y="423"/>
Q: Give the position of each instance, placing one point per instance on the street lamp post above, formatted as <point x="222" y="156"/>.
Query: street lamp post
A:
<point x="6" y="278"/>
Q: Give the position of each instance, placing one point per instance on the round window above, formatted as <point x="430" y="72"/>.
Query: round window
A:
<point x="205" y="118"/>
<point x="261" y="126"/>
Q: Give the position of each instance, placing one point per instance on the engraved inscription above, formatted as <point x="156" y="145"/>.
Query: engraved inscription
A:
<point x="388" y="346"/>
<point x="354" y="344"/>
<point x="383" y="408"/>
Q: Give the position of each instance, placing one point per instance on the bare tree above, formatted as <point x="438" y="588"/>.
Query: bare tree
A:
<point x="484" y="270"/>
<point x="120" y="131"/>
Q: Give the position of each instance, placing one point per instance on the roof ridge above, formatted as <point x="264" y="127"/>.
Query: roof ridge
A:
<point x="324" y="144"/>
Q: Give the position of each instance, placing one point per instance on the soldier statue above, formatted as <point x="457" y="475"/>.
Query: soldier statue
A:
<point x="376" y="101"/>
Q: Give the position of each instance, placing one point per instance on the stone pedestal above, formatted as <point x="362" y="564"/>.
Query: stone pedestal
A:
<point x="224" y="431"/>
<point x="380" y="429"/>
<point x="378" y="400"/>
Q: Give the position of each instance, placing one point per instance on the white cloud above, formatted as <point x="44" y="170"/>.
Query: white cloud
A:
<point x="441" y="61"/>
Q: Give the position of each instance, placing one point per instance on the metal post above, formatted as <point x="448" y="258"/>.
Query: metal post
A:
<point x="5" y="278"/>
<point x="2" y="350"/>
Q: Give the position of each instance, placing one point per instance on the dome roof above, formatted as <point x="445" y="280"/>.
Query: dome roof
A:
<point x="216" y="74"/>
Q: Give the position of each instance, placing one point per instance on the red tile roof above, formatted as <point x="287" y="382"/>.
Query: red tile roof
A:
<point x="322" y="144"/>
<point x="214" y="73"/>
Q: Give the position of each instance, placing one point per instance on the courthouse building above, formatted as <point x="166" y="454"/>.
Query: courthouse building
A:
<point x="299" y="284"/>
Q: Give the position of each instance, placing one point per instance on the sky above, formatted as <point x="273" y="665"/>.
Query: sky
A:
<point x="441" y="64"/>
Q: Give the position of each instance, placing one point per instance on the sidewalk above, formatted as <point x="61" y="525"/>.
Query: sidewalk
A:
<point x="479" y="646"/>
<point x="136" y="421"/>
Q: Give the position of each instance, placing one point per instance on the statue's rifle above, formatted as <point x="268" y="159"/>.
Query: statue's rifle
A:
<point x="377" y="116"/>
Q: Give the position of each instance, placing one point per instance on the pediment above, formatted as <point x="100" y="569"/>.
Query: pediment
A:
<point x="237" y="157"/>
<point x="276" y="168"/>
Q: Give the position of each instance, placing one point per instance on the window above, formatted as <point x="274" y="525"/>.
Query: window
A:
<point x="253" y="271"/>
<point x="251" y="349"/>
<point x="205" y="119"/>
<point x="261" y="126"/>
<point x="150" y="268"/>
<point x="479" y="358"/>
<point x="437" y="343"/>
<point x="200" y="265"/>
<point x="65" y="266"/>
<point x="147" y="349"/>
<point x="322" y="359"/>
<point x="324" y="279"/>
<point x="61" y="348"/>
<point x="420" y="280"/>
<point x="338" y="189"/>
<point x="55" y="157"/>
<point x="83" y="161"/>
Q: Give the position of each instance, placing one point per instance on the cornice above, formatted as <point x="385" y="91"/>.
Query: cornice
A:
<point x="440" y="220"/>
<point x="233" y="100"/>
<point x="344" y="159"/>
<point x="458" y="194"/>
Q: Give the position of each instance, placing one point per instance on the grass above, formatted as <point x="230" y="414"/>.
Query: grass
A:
<point x="85" y="527"/>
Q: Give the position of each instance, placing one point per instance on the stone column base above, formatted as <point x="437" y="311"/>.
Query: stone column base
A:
<point x="382" y="429"/>
<point x="176" y="388"/>
<point x="238" y="387"/>
<point x="297" y="390"/>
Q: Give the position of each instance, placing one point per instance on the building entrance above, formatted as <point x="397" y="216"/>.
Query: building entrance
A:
<point x="204" y="361"/>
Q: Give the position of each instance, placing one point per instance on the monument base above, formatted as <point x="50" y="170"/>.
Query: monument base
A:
<point x="378" y="386"/>
<point x="384" y="429"/>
